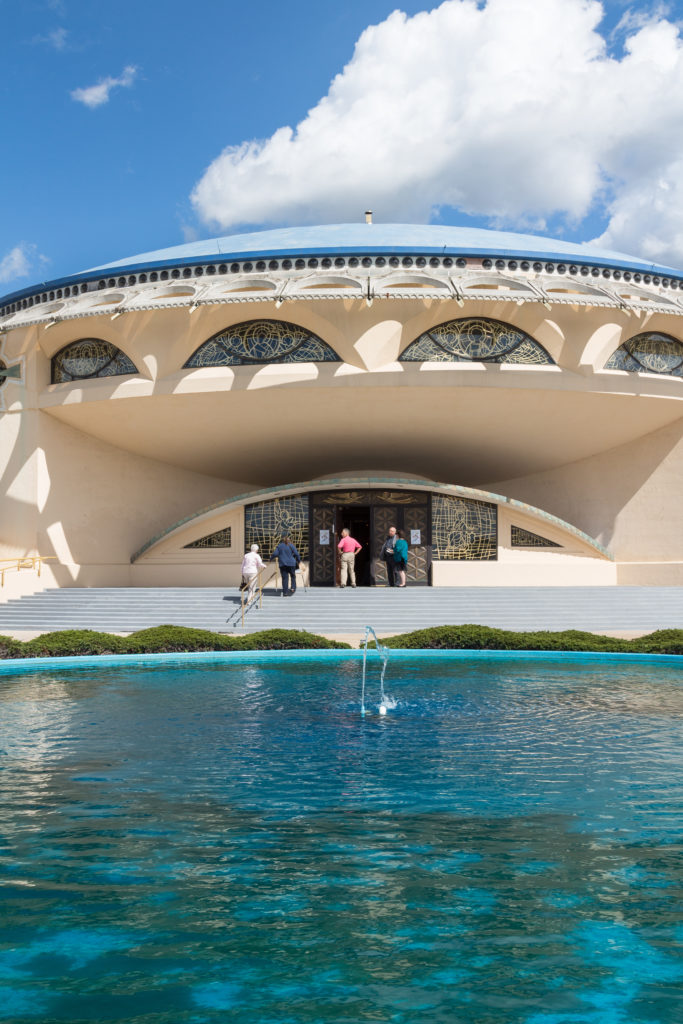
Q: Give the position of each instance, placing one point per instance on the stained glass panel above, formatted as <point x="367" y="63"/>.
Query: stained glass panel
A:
<point x="262" y="341"/>
<point x="526" y="539"/>
<point x="475" y="339"/>
<point x="464" y="529"/>
<point x="267" y="522"/>
<point x="219" y="539"/>
<point x="90" y="357"/>
<point x="649" y="352"/>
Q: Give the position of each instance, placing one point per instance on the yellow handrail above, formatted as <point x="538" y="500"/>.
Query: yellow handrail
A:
<point x="244" y="589"/>
<point x="260" y="584"/>
<point x="25" y="562"/>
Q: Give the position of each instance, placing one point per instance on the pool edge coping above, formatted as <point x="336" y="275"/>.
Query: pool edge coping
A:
<point x="9" y="666"/>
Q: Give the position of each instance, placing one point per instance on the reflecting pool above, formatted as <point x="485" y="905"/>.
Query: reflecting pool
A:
<point x="233" y="842"/>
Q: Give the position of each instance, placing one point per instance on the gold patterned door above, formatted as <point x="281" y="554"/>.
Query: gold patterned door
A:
<point x="383" y="517"/>
<point x="413" y="521"/>
<point x="323" y="554"/>
<point x="416" y="521"/>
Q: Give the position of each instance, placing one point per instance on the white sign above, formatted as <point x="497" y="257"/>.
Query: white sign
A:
<point x="324" y="536"/>
<point x="416" y="536"/>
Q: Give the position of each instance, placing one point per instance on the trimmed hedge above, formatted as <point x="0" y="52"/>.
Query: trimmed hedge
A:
<point x="486" y="638"/>
<point x="161" y="639"/>
<point x="172" y="639"/>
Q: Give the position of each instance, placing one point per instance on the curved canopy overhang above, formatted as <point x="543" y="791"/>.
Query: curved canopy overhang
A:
<point x="369" y="483"/>
<point x="349" y="241"/>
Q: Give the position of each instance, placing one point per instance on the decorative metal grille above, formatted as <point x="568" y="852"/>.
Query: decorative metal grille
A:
<point x="90" y="357"/>
<point x="267" y="522"/>
<point x="219" y="539"/>
<point x="649" y="352"/>
<point x="262" y="341"/>
<point x="475" y="339"/>
<point x="464" y="529"/>
<point x="369" y="498"/>
<point x="526" y="539"/>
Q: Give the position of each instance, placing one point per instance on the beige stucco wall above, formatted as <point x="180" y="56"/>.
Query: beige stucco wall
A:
<point x="630" y="499"/>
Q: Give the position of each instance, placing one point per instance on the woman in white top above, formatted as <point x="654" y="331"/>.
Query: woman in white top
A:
<point x="251" y="564"/>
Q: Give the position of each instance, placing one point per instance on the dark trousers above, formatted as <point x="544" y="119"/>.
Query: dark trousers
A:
<point x="288" y="573"/>
<point x="391" y="570"/>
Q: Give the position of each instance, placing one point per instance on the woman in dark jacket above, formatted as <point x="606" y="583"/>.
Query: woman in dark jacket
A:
<point x="401" y="557"/>
<point x="288" y="561"/>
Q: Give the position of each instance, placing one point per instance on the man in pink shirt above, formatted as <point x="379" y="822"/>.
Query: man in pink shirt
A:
<point x="348" y="546"/>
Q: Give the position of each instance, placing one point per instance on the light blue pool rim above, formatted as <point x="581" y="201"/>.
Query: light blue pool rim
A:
<point x="12" y="666"/>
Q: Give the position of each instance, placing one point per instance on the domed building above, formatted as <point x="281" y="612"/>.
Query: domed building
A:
<point x="509" y="401"/>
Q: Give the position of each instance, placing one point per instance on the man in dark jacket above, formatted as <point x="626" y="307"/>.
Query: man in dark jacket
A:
<point x="288" y="560"/>
<point x="387" y="553"/>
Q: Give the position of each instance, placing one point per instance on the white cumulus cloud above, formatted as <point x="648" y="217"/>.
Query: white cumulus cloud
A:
<point x="95" y="95"/>
<point x="17" y="262"/>
<point x="515" y="110"/>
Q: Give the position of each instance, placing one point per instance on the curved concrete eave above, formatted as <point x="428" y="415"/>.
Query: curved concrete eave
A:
<point x="366" y="483"/>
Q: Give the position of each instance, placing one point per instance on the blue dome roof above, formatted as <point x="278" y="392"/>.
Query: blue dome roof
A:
<point x="362" y="238"/>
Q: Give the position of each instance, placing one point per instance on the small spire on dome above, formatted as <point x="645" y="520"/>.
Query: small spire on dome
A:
<point x="368" y="216"/>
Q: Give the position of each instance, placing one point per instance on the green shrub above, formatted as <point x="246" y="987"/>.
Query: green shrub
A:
<point x="162" y="639"/>
<point x="9" y="648"/>
<point x="662" y="641"/>
<point x="69" y="642"/>
<point x="288" y="640"/>
<point x="477" y="638"/>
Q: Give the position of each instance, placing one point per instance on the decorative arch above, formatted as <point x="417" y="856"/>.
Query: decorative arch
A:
<point x="89" y="357"/>
<point x="262" y="341"/>
<point x="649" y="352"/>
<point x="475" y="339"/>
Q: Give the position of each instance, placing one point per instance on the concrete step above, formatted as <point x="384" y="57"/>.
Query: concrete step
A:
<point x="349" y="611"/>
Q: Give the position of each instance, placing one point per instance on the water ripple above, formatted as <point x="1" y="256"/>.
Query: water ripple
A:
<point x="238" y="844"/>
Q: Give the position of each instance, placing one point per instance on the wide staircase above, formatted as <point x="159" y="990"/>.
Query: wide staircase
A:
<point x="329" y="611"/>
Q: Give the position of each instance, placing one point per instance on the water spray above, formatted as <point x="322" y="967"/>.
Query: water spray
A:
<point x="384" y="655"/>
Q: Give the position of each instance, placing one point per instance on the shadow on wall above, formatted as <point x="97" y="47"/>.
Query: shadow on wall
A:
<point x="88" y="503"/>
<point x="628" y="498"/>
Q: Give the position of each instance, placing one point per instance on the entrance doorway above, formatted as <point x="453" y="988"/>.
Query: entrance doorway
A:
<point x="368" y="514"/>
<point x="356" y="519"/>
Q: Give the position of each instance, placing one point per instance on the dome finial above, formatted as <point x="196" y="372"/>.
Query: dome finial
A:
<point x="368" y="216"/>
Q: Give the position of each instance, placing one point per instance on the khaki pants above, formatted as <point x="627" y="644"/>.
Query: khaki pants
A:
<point x="252" y="580"/>
<point x="348" y="568"/>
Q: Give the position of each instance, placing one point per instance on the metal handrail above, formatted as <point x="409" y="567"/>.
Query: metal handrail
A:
<point x="258" y="589"/>
<point x="261" y="583"/>
<point x="25" y="562"/>
<point x="300" y="570"/>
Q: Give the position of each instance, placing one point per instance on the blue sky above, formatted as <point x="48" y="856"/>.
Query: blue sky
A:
<point x="112" y="114"/>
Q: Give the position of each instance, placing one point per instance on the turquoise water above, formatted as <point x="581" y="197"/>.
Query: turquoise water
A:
<point x="234" y="843"/>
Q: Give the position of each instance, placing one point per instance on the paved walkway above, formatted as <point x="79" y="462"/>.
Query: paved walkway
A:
<point x="623" y="610"/>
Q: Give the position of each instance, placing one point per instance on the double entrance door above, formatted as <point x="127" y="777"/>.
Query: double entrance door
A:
<point x="368" y="515"/>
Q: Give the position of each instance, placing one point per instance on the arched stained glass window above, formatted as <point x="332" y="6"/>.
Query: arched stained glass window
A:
<point x="475" y="339"/>
<point x="649" y="352"/>
<point x="90" y="357"/>
<point x="262" y="341"/>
